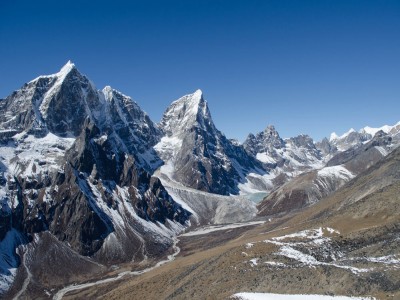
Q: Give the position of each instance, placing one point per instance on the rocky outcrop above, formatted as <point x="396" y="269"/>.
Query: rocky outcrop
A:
<point x="327" y="149"/>
<point x="265" y="141"/>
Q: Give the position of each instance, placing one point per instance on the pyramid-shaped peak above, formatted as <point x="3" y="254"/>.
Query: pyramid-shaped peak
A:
<point x="189" y="105"/>
<point x="68" y="67"/>
<point x="69" y="63"/>
<point x="198" y="94"/>
<point x="108" y="90"/>
<point x="270" y="132"/>
<point x="270" y="128"/>
<point x="186" y="112"/>
<point x="192" y="99"/>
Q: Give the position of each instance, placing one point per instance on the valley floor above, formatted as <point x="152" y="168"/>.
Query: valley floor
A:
<point x="272" y="257"/>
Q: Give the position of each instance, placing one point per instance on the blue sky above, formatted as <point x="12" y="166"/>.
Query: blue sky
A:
<point x="305" y="66"/>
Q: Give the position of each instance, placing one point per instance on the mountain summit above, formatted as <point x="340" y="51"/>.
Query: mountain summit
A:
<point x="196" y="153"/>
<point x="187" y="112"/>
<point x="58" y="103"/>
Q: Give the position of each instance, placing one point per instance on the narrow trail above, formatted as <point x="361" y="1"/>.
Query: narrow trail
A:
<point x="204" y="230"/>
<point x="28" y="276"/>
<point x="74" y="287"/>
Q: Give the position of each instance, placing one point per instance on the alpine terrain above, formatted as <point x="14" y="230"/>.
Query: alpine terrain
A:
<point x="99" y="201"/>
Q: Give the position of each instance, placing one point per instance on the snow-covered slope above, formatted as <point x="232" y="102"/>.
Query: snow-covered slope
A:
<point x="282" y="159"/>
<point x="310" y="187"/>
<point x="196" y="153"/>
<point x="208" y="208"/>
<point x="356" y="138"/>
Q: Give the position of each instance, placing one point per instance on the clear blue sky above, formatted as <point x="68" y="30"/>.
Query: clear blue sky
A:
<point x="305" y="66"/>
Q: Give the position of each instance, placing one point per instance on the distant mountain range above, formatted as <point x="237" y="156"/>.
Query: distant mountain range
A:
<point x="89" y="178"/>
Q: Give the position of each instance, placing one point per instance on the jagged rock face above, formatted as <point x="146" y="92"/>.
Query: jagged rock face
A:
<point x="65" y="110"/>
<point x="273" y="151"/>
<point x="99" y="158"/>
<point x="75" y="219"/>
<point x="133" y="127"/>
<point x="326" y="147"/>
<point x="66" y="204"/>
<point x="98" y="155"/>
<point x="265" y="141"/>
<point x="201" y="168"/>
<point x="67" y="215"/>
<point x="18" y="109"/>
<point x="199" y="155"/>
<point x="308" y="151"/>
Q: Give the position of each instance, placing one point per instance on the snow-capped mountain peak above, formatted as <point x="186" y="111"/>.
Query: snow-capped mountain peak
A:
<point x="188" y="111"/>
<point x="58" y="103"/>
<point x="67" y="68"/>
<point x="372" y="130"/>
<point x="333" y="136"/>
<point x="347" y="133"/>
<point x="60" y="75"/>
<point x="107" y="90"/>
